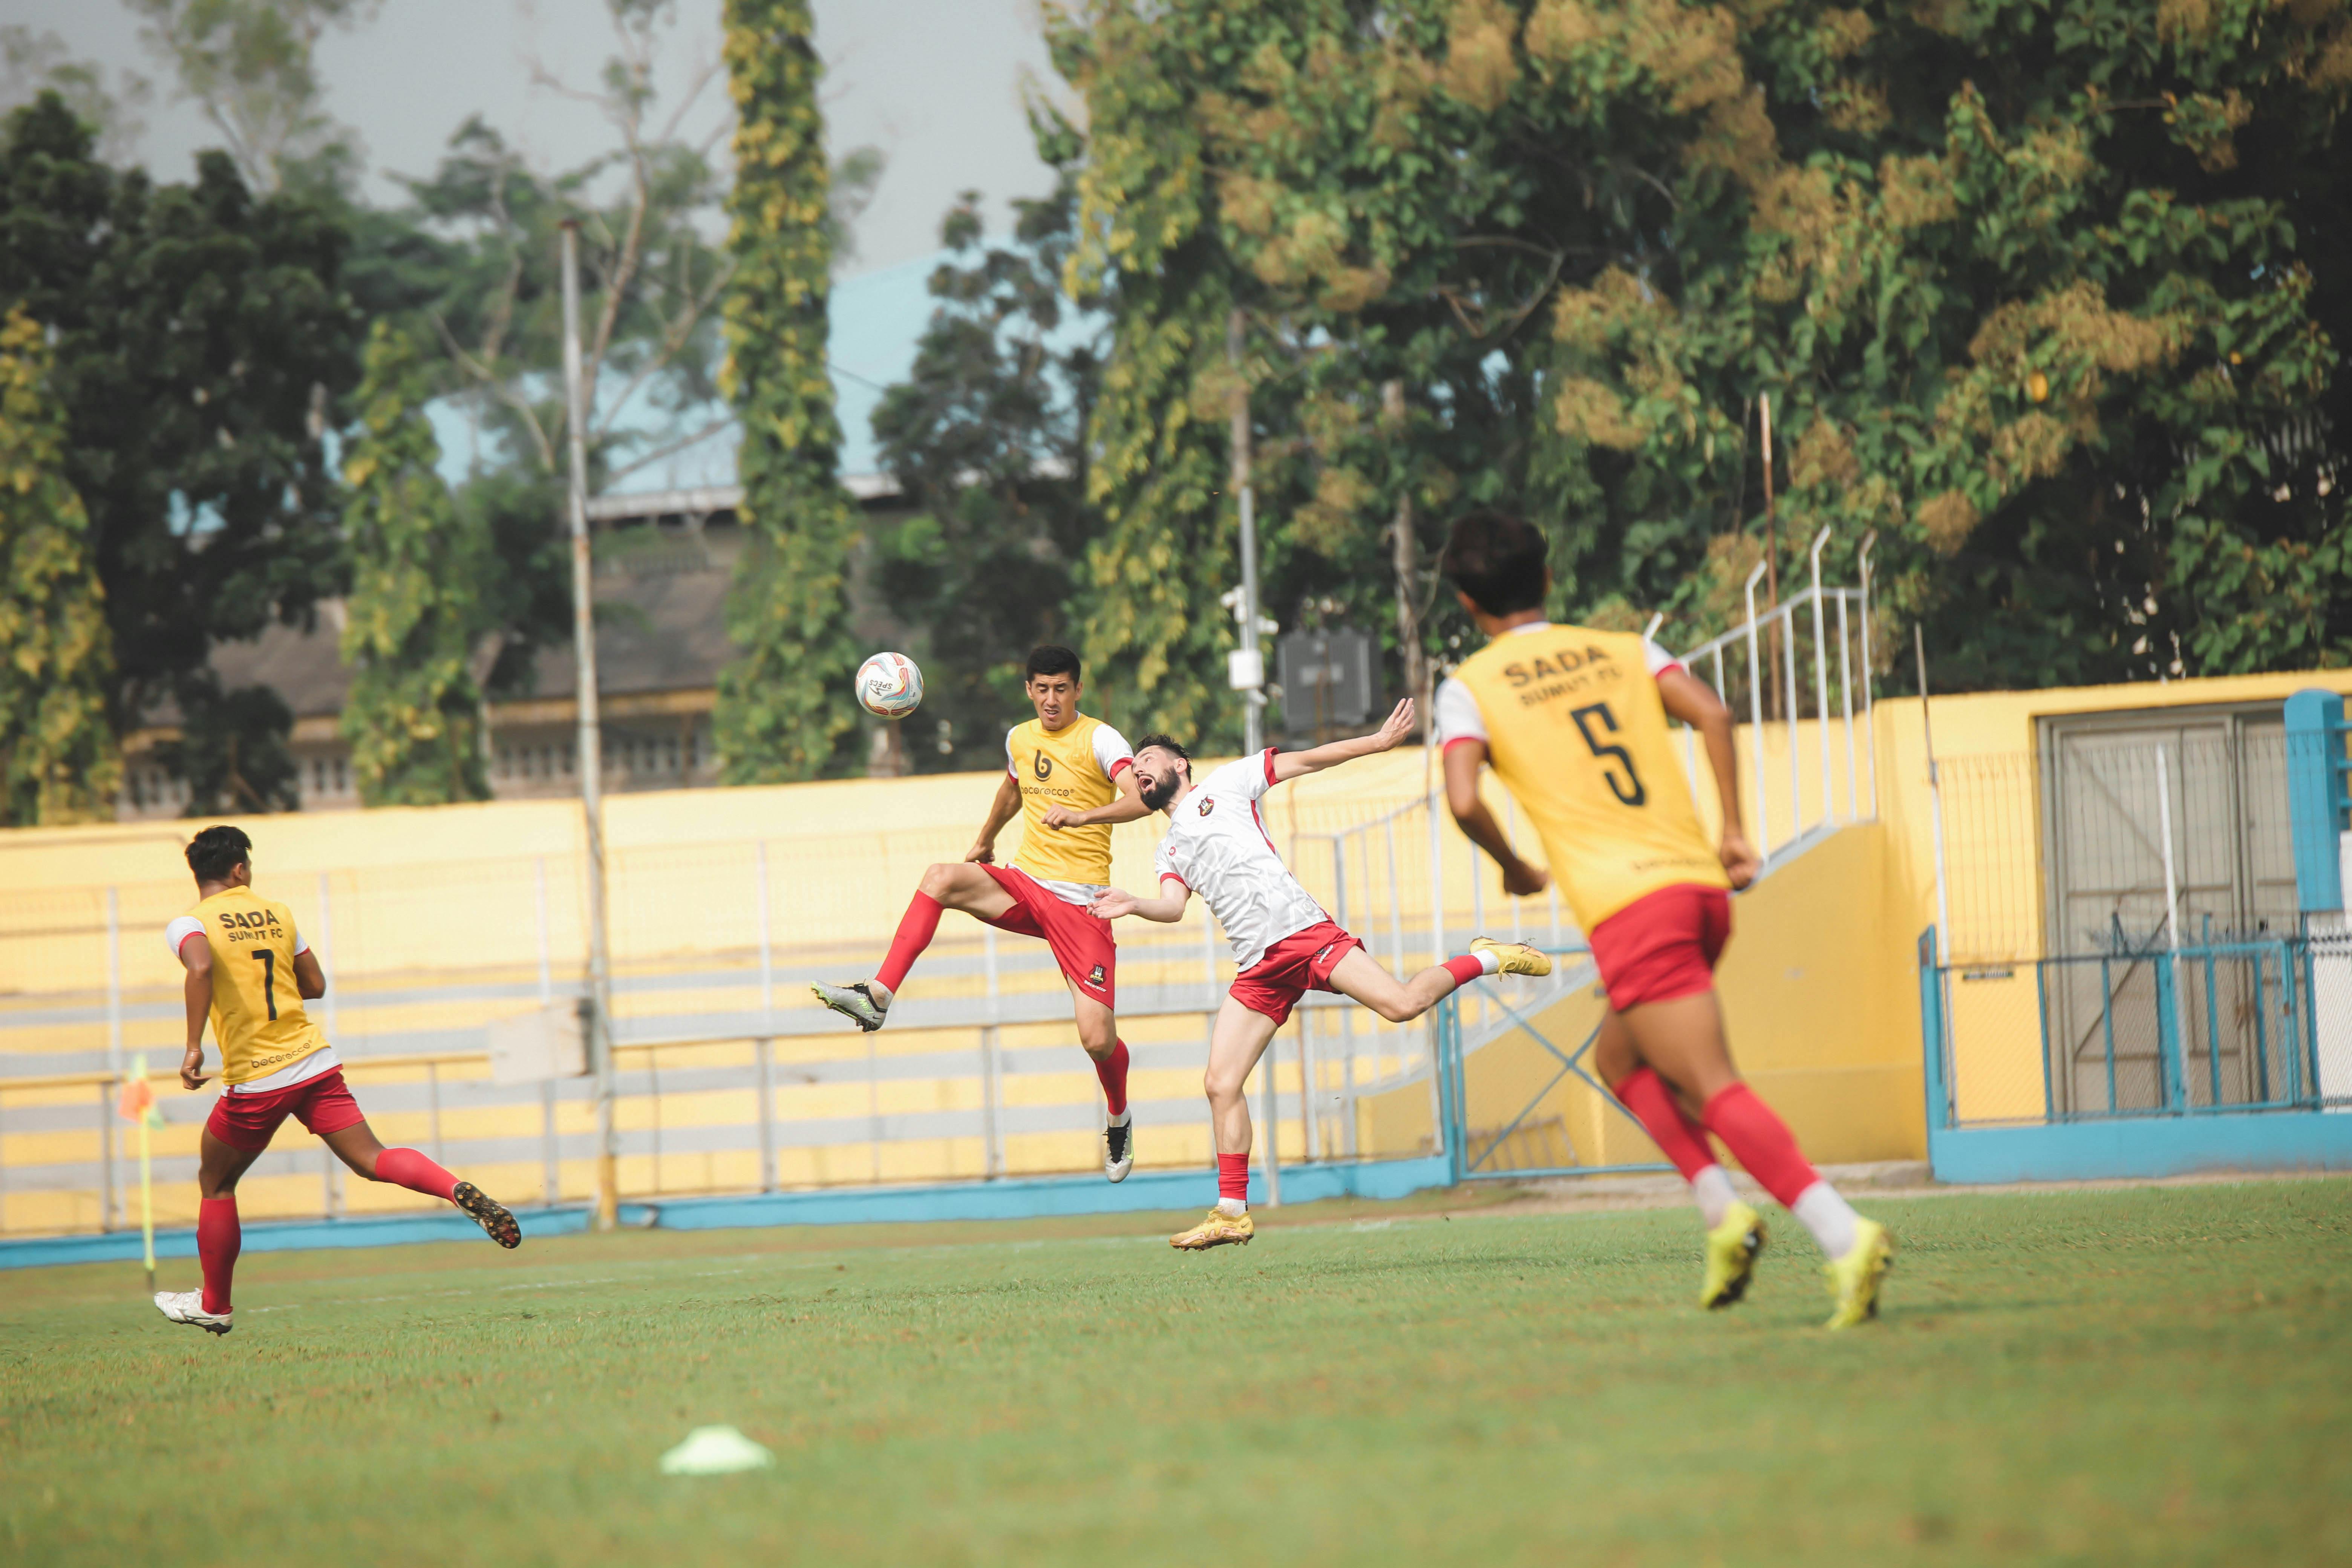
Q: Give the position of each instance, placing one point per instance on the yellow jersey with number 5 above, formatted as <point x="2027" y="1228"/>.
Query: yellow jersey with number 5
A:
<point x="258" y="1018"/>
<point x="1576" y="732"/>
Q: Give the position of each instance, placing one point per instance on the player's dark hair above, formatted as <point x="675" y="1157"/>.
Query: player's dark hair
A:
<point x="1497" y="560"/>
<point x="1168" y="743"/>
<point x="216" y="851"/>
<point x="1050" y="659"/>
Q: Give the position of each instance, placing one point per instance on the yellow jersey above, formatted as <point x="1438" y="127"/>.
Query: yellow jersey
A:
<point x="258" y="1018"/>
<point x="1076" y="766"/>
<point x="1576" y="732"/>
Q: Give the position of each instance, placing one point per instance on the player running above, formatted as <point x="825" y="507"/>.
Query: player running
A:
<point x="1574" y="722"/>
<point x="249" y="972"/>
<point x="1071" y="777"/>
<point x="1285" y="945"/>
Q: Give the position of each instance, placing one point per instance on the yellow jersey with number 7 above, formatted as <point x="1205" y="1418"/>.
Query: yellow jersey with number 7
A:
<point x="1577" y="733"/>
<point x="258" y="1018"/>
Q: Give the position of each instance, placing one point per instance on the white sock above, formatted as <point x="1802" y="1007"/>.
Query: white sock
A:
<point x="1233" y="1208"/>
<point x="1488" y="963"/>
<point x="1123" y="1118"/>
<point x="1712" y="1187"/>
<point x="1828" y="1216"/>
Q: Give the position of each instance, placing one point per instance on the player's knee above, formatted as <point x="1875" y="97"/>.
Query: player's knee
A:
<point x="939" y="880"/>
<point x="1223" y="1088"/>
<point x="1396" y="1009"/>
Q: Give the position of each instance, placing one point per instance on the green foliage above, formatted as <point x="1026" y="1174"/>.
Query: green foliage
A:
<point x="986" y="436"/>
<point x="412" y="718"/>
<point x="62" y="765"/>
<point x="785" y="710"/>
<point x="203" y="341"/>
<point x="252" y="65"/>
<point x="32" y="62"/>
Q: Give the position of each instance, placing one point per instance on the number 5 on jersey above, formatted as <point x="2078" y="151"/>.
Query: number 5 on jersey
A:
<point x="1627" y="789"/>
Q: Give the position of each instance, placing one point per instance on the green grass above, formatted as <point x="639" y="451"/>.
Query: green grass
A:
<point x="2159" y="1375"/>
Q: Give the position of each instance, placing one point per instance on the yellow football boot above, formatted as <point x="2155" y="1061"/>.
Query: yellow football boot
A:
<point x="1516" y="957"/>
<point x="1855" y="1278"/>
<point x="1731" y="1251"/>
<point x="1219" y="1229"/>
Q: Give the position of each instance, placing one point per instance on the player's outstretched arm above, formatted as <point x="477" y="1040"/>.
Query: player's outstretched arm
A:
<point x="1693" y="702"/>
<point x="196" y="958"/>
<point x="1388" y="737"/>
<point x="1128" y="808"/>
<point x="1168" y="909"/>
<point x="1001" y="810"/>
<point x="1463" y="758"/>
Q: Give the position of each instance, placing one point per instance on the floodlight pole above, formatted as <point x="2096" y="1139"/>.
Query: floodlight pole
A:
<point x="1248" y="672"/>
<point x="591" y="744"/>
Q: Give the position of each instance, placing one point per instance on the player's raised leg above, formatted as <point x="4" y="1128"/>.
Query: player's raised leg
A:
<point x="1682" y="1040"/>
<point x="357" y="1146"/>
<point x="1365" y="979"/>
<point x="1235" y="1044"/>
<point x="963" y="886"/>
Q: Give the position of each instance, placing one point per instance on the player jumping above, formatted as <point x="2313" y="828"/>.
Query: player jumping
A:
<point x="1574" y="722"/>
<point x="1072" y="778"/>
<point x="1285" y="945"/>
<point x="249" y="972"/>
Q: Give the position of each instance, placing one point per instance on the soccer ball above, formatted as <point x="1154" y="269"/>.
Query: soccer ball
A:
<point x="889" y="686"/>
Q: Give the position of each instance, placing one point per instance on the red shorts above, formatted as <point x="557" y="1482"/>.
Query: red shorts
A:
<point x="1080" y="940"/>
<point x="249" y="1122"/>
<point x="1299" y="964"/>
<point x="1661" y="945"/>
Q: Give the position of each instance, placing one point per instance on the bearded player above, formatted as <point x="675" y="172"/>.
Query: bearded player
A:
<point x="249" y="972"/>
<point x="1284" y="942"/>
<point x="1071" y="778"/>
<point x="1574" y="722"/>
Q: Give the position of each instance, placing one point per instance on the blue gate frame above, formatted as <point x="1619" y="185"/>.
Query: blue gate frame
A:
<point x="1468" y="1164"/>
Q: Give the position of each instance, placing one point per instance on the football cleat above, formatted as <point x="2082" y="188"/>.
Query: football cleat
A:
<point x="1731" y="1251"/>
<point x="854" y="1002"/>
<point x="1219" y="1229"/>
<point x="188" y="1307"/>
<point x="489" y="1214"/>
<point x="1855" y="1278"/>
<point x="1516" y="957"/>
<point x="1119" y="1149"/>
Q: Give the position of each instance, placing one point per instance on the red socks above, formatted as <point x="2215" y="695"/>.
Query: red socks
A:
<point x="219" y="1238"/>
<point x="1680" y="1139"/>
<point x="407" y="1168"/>
<point x="916" y="929"/>
<point x="1112" y="1070"/>
<point x="1464" y="969"/>
<point x="1232" y="1177"/>
<point x="1761" y="1141"/>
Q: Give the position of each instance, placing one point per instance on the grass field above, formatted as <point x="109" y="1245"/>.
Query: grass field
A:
<point x="2159" y="1375"/>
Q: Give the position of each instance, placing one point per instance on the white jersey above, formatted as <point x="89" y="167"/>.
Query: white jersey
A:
<point x="1216" y="846"/>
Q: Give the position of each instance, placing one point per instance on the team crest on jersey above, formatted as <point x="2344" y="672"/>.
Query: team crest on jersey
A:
<point x="1045" y="766"/>
<point x="1096" y="979"/>
<point x="1208" y="803"/>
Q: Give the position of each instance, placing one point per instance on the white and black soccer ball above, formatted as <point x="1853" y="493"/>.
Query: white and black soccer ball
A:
<point x="889" y="686"/>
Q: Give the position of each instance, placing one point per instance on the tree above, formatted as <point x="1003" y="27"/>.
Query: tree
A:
<point x="251" y="64"/>
<point x="785" y="706"/>
<point x="413" y="717"/>
<point x="986" y="437"/>
<point x="32" y="63"/>
<point x="203" y="341"/>
<point x="62" y="762"/>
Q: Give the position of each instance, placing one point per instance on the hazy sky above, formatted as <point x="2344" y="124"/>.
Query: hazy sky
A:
<point x="936" y="84"/>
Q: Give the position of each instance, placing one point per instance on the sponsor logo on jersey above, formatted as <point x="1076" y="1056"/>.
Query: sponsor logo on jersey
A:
<point x="1208" y="803"/>
<point x="1045" y="766"/>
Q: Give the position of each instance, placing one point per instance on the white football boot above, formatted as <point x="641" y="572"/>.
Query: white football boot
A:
<point x="856" y="1002"/>
<point x="188" y="1307"/>
<point x="1119" y="1147"/>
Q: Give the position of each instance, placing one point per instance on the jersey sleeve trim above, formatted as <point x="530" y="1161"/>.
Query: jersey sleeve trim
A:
<point x="1122" y="762"/>
<point x="1658" y="659"/>
<point x="1269" y="767"/>
<point x="1456" y="713"/>
<point x="181" y="927"/>
<point x="1111" y="751"/>
<point x="1012" y="768"/>
<point x="1172" y="876"/>
<point x="1460" y="741"/>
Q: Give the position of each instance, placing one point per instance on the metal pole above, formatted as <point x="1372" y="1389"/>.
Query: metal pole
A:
<point x="113" y="982"/>
<point x="1253" y="695"/>
<point x="1822" y="676"/>
<point x="1869" y="715"/>
<point x="1845" y="696"/>
<point x="1771" y="527"/>
<point x="550" y="1150"/>
<point x="106" y="1156"/>
<point x="1436" y="955"/>
<point x="1787" y="618"/>
<point x="1934" y="804"/>
<point x="590" y="761"/>
<point x="991" y="1067"/>
<point x="765" y="1048"/>
<point x="326" y="948"/>
<point x="767" y="949"/>
<point x="1756" y="721"/>
<point x="2170" y="1060"/>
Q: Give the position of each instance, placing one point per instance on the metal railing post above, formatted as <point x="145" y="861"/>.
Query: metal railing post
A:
<point x="764" y="1050"/>
<point x="114" y="1029"/>
<point x="1822" y="677"/>
<point x="1845" y="697"/>
<point x="992" y="1138"/>
<point x="106" y="1157"/>
<point x="1756" y="718"/>
<point x="1788" y="614"/>
<point x="1869" y="712"/>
